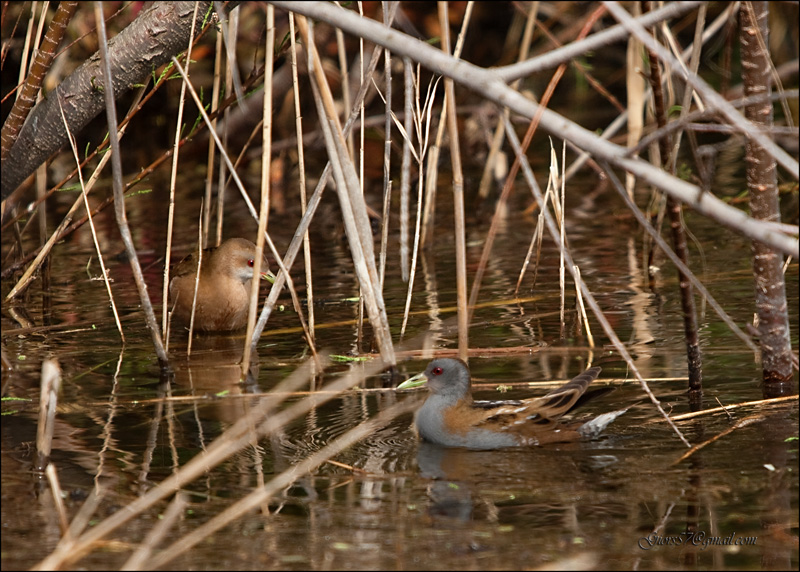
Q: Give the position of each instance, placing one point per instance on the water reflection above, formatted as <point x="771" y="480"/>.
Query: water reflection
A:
<point x="390" y="502"/>
<point x="214" y="368"/>
<point x="465" y="484"/>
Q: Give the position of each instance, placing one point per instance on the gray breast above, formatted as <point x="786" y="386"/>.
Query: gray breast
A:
<point x="430" y="426"/>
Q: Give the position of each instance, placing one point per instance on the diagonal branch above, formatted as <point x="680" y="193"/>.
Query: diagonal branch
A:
<point x="491" y="86"/>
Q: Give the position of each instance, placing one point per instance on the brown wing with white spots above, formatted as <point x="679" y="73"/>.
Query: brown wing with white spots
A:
<point x="534" y="421"/>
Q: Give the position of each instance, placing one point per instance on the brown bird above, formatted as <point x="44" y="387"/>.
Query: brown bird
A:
<point x="223" y="293"/>
<point x="450" y="416"/>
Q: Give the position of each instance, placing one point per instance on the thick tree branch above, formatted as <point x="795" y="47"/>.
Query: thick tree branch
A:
<point x="159" y="33"/>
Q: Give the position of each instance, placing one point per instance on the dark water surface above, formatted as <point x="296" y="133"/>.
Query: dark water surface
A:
<point x="619" y="502"/>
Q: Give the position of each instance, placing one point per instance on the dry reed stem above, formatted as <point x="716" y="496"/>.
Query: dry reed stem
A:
<point x="280" y="331"/>
<point x="776" y="401"/>
<point x="140" y="557"/>
<point x="119" y="202"/>
<point x="349" y="467"/>
<point x="508" y="186"/>
<point x="427" y="354"/>
<point x="662" y="244"/>
<point x="357" y="226"/>
<point x="536" y="240"/>
<point x="59" y="232"/>
<point x="360" y="325"/>
<point x="405" y="167"/>
<point x="78" y="524"/>
<point x="341" y="52"/>
<point x="173" y="179"/>
<point x="302" y="227"/>
<point x="263" y="211"/>
<point x="497" y="138"/>
<point x="360" y="5"/>
<point x="286" y="478"/>
<point x="388" y="17"/>
<point x="421" y="120"/>
<point x="212" y="144"/>
<point x="83" y="518"/>
<point x="236" y="437"/>
<point x="528" y="255"/>
<point x="295" y="302"/>
<point x="58" y="498"/>
<point x="49" y="386"/>
<point x="422" y="354"/>
<point x="229" y="36"/>
<point x="364" y="259"/>
<point x="41" y="191"/>
<point x="458" y="190"/>
<point x="106" y="281"/>
<point x="387" y="203"/>
<point x="301" y="168"/>
<point x="432" y="173"/>
<point x="562" y="225"/>
<point x="222" y="185"/>
<point x="171" y="210"/>
<point x="196" y="282"/>
<point x="711" y="97"/>
<point x="636" y="91"/>
<point x="27" y="46"/>
<point x="694" y="65"/>
<point x="251" y="208"/>
<point x="551" y="226"/>
<point x="579" y="294"/>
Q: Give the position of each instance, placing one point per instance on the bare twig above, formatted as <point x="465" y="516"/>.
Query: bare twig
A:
<point x="743" y="423"/>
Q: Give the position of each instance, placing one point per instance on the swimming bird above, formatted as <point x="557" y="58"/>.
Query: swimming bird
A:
<point x="223" y="293"/>
<point x="451" y="417"/>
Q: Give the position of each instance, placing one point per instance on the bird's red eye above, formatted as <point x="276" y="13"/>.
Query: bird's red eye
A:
<point x="251" y="262"/>
<point x="437" y="371"/>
